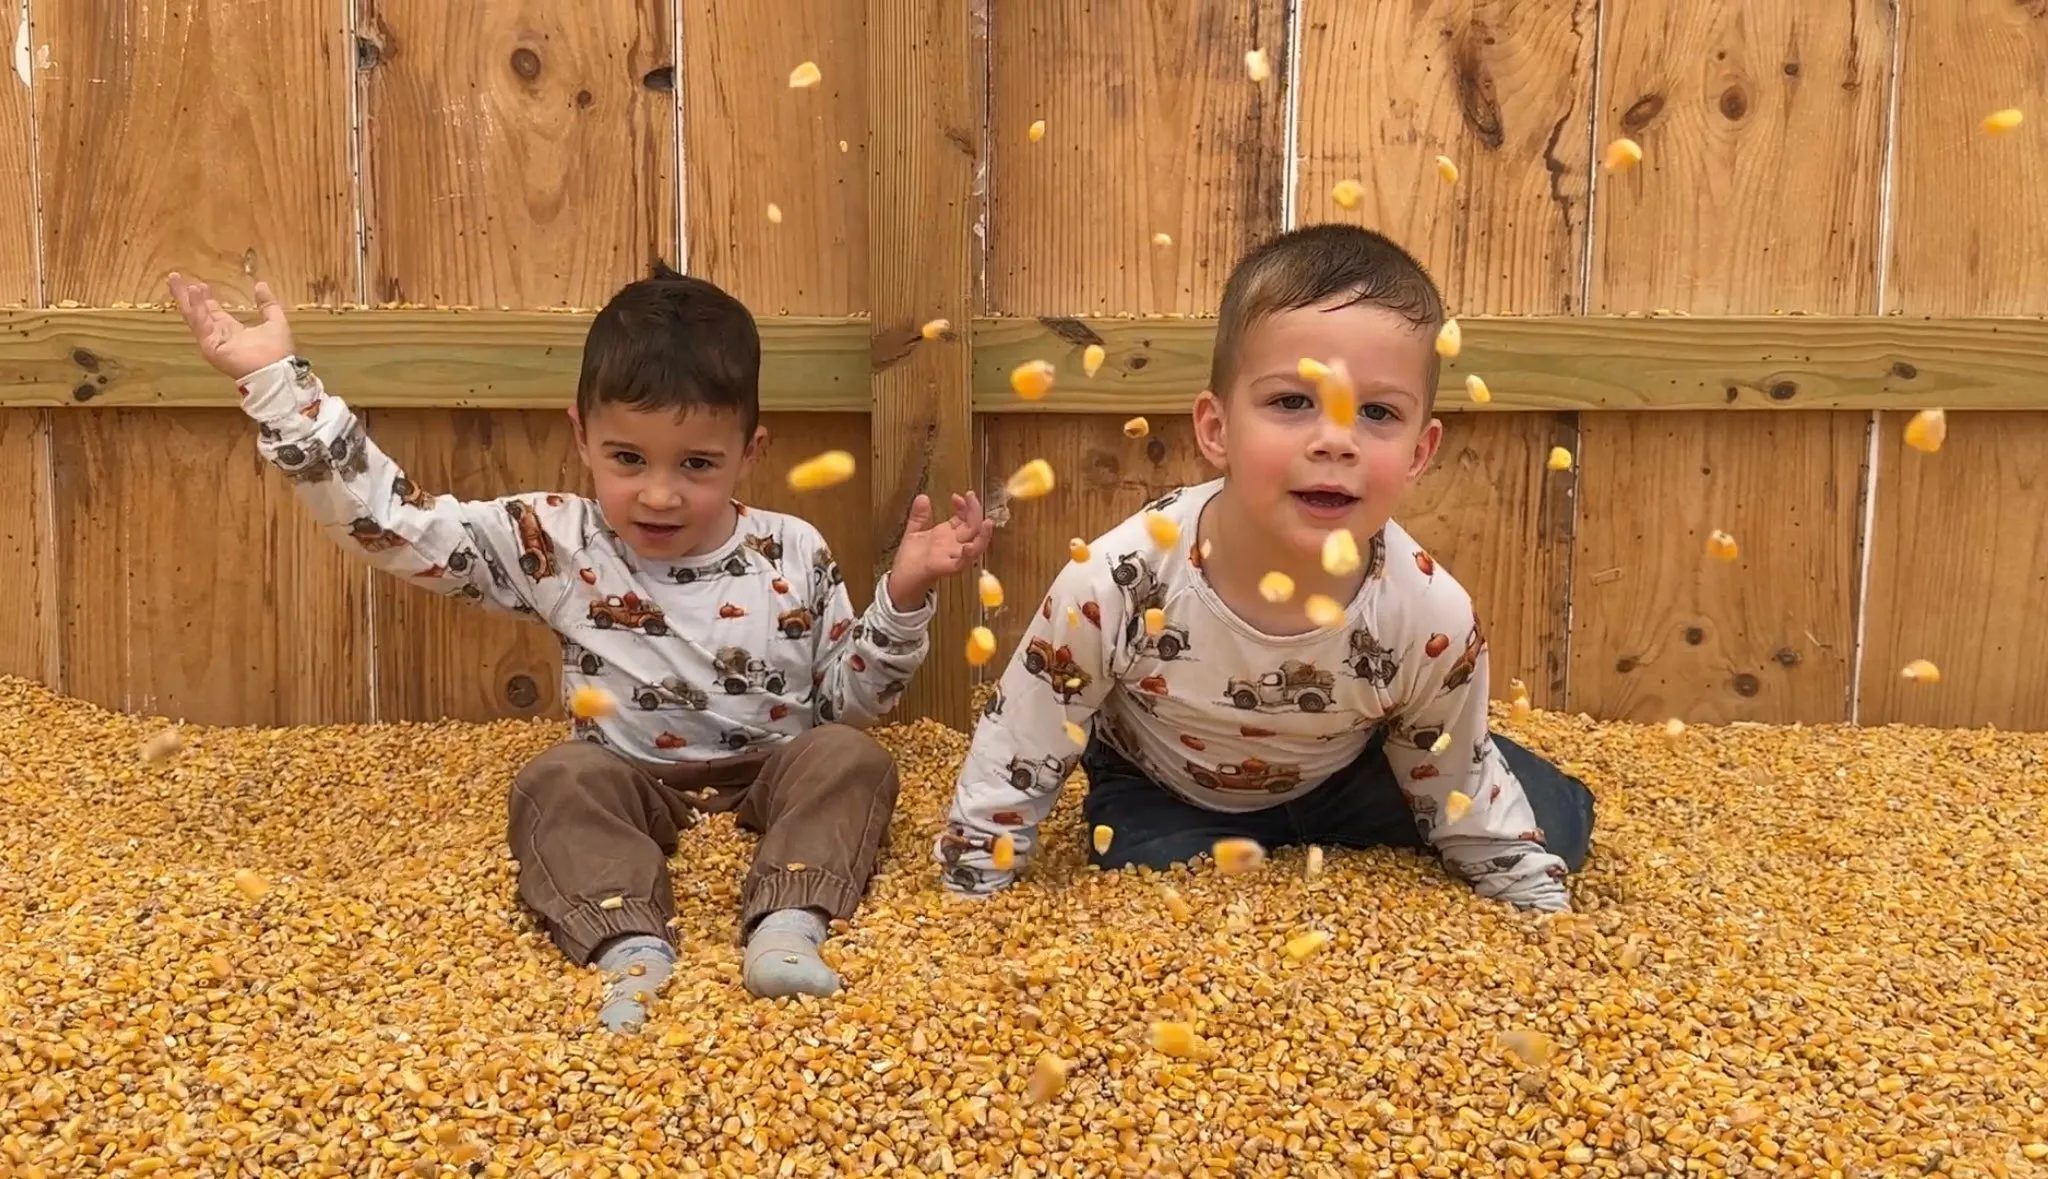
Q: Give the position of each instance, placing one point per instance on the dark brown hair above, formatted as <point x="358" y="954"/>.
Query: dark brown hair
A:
<point x="1311" y="265"/>
<point x="669" y="341"/>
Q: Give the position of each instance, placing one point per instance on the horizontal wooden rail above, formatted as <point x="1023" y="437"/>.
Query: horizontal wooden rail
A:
<point x="529" y="360"/>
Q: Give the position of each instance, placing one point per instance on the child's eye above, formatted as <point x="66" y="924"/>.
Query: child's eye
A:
<point x="626" y="458"/>
<point x="1376" y="412"/>
<point x="1295" y="401"/>
<point x="698" y="463"/>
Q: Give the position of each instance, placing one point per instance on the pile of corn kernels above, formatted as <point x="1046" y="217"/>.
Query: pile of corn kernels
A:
<point x="1796" y="951"/>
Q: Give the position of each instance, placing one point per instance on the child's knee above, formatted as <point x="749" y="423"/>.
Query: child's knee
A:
<point x="859" y="756"/>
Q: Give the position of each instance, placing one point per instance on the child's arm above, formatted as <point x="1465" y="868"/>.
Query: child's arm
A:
<point x="1022" y="751"/>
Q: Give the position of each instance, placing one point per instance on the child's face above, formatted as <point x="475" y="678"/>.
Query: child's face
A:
<point x="1290" y="467"/>
<point x="665" y="480"/>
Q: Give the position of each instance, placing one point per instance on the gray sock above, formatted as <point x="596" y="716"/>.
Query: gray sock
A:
<point x="782" y="956"/>
<point x="636" y="965"/>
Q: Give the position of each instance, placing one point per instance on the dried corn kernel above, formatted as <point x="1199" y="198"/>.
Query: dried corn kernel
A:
<point x="1276" y="587"/>
<point x="1533" y="1047"/>
<point x="1306" y="946"/>
<point x="1176" y="905"/>
<point x="1004" y="853"/>
<point x="1442" y="742"/>
<point x="1048" y="1077"/>
<point x="1037" y="131"/>
<point x="1137" y="427"/>
<point x="1476" y="389"/>
<point x="1031" y="480"/>
<point x="1256" y="67"/>
<point x="824" y="470"/>
<point x="612" y="903"/>
<point x="1171" y="1038"/>
<point x="1314" y="867"/>
<point x="1323" y="610"/>
<point x="1347" y="193"/>
<point x="1456" y="805"/>
<point x="1162" y="239"/>
<point x="1032" y="379"/>
<point x="1560" y="459"/>
<point x="1155" y="621"/>
<point x="774" y="213"/>
<point x="1921" y="671"/>
<point x="991" y="590"/>
<point x="1161" y="528"/>
<point x="163" y="746"/>
<point x="1091" y="359"/>
<point x="1450" y="340"/>
<point x="251" y="884"/>
<point x="1446" y="169"/>
<point x="1999" y="122"/>
<point x="589" y="702"/>
<point x="1235" y="856"/>
<point x="842" y="147"/>
<point x="1518" y="709"/>
<point x="981" y="645"/>
<point x="1721" y="546"/>
<point x="1077" y="550"/>
<point x="806" y="74"/>
<point x="934" y="328"/>
<point x="1336" y="394"/>
<point x="1622" y="154"/>
<point x="1075" y="733"/>
<point x="795" y="866"/>
<point x="1311" y="370"/>
<point x="1674" y="728"/>
<point x="1927" y="431"/>
<point x="1340" y="553"/>
<point x="1100" y="837"/>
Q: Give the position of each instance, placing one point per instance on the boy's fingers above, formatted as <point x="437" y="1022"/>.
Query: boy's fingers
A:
<point x="273" y="311"/>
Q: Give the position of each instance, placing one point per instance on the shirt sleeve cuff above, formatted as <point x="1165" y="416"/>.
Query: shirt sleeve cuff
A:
<point x="274" y="391"/>
<point x="900" y="623"/>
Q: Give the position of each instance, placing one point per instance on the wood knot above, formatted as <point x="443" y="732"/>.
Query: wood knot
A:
<point x="1734" y="104"/>
<point x="1641" y="113"/>
<point x="85" y="359"/>
<point x="583" y="100"/>
<point x="526" y="63"/>
<point x="1746" y="684"/>
<point x="1625" y="664"/>
<point x="1694" y="636"/>
<point x="659" y="78"/>
<point x="1904" y="371"/>
<point x="521" y="691"/>
<point x="1783" y="391"/>
<point x="1787" y="657"/>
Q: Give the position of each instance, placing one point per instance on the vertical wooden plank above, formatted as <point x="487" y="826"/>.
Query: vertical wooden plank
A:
<point x="1762" y="125"/>
<point x="29" y="632"/>
<point x="749" y="141"/>
<point x="517" y="153"/>
<point x="1505" y="91"/>
<point x="1152" y="126"/>
<point x="1971" y="514"/>
<point x="925" y="129"/>
<point x="218" y="139"/>
<point x="18" y="280"/>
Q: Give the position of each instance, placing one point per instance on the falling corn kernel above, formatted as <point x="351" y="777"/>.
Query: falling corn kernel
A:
<point x="163" y="746"/>
<point x="1999" y="122"/>
<point x="612" y="903"/>
<point x="1456" y="805"/>
<point x="1164" y="532"/>
<point x="991" y="591"/>
<point x="1037" y="131"/>
<point x="1203" y="548"/>
<point x="1075" y="733"/>
<point x="1347" y="193"/>
<point x="842" y="147"/>
<point x="1137" y="428"/>
<point x="981" y="645"/>
<point x="1235" y="856"/>
<point x="774" y="213"/>
<point x="1173" y="1039"/>
<point x="1004" y="854"/>
<point x="1031" y="480"/>
<point x="1674" y="728"/>
<point x="1534" y="1048"/>
<point x="824" y="470"/>
<point x="1031" y="379"/>
<point x="1447" y="169"/>
<point x="1048" y="1077"/>
<point x="1276" y="587"/>
<point x="251" y="884"/>
<point x="1442" y="742"/>
<point x="1101" y="836"/>
<point x="805" y="75"/>
<point x="1518" y="708"/>
<point x="588" y="703"/>
<point x="1450" y="338"/>
<point x="1256" y="67"/>
<point x="1560" y="459"/>
<point x="1927" y="431"/>
<point x="1476" y="389"/>
<point x="1162" y="239"/>
<point x="1091" y="359"/>
<point x="1323" y="610"/>
<point x="1155" y="622"/>
<point x="1721" y="546"/>
<point x="1315" y="862"/>
<point x="1623" y="154"/>
<point x="934" y="328"/>
<point x="1177" y="905"/>
<point x="1077" y="550"/>
<point x="1306" y="946"/>
<point x="1337" y="395"/>
<point x="1922" y="672"/>
<point x="1340" y="553"/>
<point x="1311" y="370"/>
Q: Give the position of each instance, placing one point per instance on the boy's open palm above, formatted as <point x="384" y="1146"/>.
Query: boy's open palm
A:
<point x="235" y="348"/>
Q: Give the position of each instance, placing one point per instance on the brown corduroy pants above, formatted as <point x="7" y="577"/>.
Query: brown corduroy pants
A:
<point x="587" y="824"/>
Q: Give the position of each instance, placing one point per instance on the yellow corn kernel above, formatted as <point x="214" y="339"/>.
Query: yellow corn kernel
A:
<point x="1518" y="708"/>
<point x="1176" y="905"/>
<point x="1037" y="131"/>
<point x="163" y="746"/>
<point x="1324" y="610"/>
<point x="1155" y="621"/>
<point x="833" y="466"/>
<point x="1091" y="359"/>
<point x="1560" y="459"/>
<point x="1338" y="396"/>
<point x="1347" y="193"/>
<point x="1048" y="1077"/>
<point x="1137" y="427"/>
<point x="1256" y="67"/>
<point x="1314" y="868"/>
<point x="1073" y="617"/>
<point x="1276" y="587"/>
<point x="1622" y="155"/>
<point x="588" y="702"/>
<point x="1077" y="550"/>
<point x="1311" y="370"/>
<point x="1235" y="856"/>
<point x="981" y="645"/>
<point x="1004" y="854"/>
<point x="1927" y="431"/>
<point x="1674" y="728"/>
<point x="1721" y="546"/>
<point x="1032" y="379"/>
<point x="1450" y="339"/>
<point x="1456" y="805"/>
<point x="1305" y="946"/>
<point x="1922" y="672"/>
<point x="795" y="866"/>
<point x="1031" y="480"/>
<point x="2035" y="1150"/>
<point x="805" y="75"/>
<point x="1075" y="733"/>
<point x="842" y="147"/>
<point x="774" y="213"/>
<point x="1162" y="239"/>
<point x="1170" y="1038"/>
<point x="934" y="328"/>
<point x="1999" y="122"/>
<point x="1447" y="169"/>
<point x="991" y="590"/>
<point x="1164" y="532"/>
<point x="1476" y="389"/>
<point x="1533" y="1047"/>
<point x="1101" y="836"/>
<point x="1442" y="742"/>
<point x="250" y="884"/>
<point x="1340" y="553"/>
<point x="612" y="903"/>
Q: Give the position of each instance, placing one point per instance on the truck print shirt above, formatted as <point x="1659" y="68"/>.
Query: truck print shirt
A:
<point x="1232" y="719"/>
<point x="744" y="646"/>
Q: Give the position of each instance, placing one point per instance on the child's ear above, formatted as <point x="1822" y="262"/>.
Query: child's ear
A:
<point x="1210" y="430"/>
<point x="1425" y="448"/>
<point x="582" y="440"/>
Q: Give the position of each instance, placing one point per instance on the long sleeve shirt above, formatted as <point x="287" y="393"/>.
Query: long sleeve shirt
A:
<point x="1234" y="720"/>
<point x="744" y="646"/>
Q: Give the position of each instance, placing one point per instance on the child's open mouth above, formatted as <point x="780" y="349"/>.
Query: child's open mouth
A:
<point x="661" y="531"/>
<point x="1325" y="502"/>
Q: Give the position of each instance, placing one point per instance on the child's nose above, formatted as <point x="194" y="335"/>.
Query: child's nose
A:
<point x="660" y="497"/>
<point x="1334" y="443"/>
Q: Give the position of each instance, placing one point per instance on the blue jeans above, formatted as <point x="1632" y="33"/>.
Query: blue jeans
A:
<point x="1359" y="806"/>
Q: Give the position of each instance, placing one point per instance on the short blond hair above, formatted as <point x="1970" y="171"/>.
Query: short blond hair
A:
<point x="1312" y="265"/>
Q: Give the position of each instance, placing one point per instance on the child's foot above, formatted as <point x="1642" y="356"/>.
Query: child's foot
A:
<point x="782" y="956"/>
<point x="636" y="965"/>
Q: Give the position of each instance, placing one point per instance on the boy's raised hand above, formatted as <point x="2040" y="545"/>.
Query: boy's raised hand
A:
<point x="235" y="348"/>
<point x="930" y="552"/>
